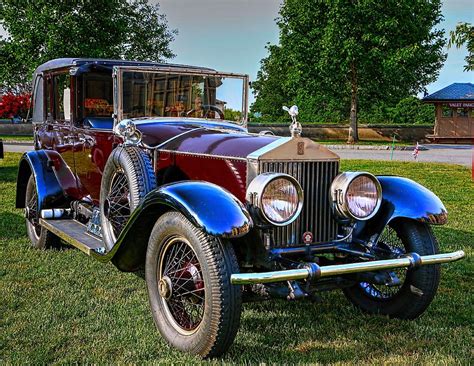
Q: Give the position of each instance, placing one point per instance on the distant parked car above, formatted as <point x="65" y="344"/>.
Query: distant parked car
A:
<point x="17" y="120"/>
<point x="135" y="164"/>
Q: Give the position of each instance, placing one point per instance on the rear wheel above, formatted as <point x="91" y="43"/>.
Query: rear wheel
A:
<point x="194" y="305"/>
<point x="415" y="289"/>
<point x="40" y="238"/>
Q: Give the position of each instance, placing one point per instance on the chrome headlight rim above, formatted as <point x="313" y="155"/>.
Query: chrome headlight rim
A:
<point x="257" y="187"/>
<point x="339" y="189"/>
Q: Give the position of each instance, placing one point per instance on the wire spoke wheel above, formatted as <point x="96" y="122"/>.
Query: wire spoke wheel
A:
<point x="392" y="244"/>
<point x="127" y="178"/>
<point x="117" y="203"/>
<point x="407" y="292"/>
<point x="181" y="285"/>
<point x="31" y="210"/>
<point x="40" y="238"/>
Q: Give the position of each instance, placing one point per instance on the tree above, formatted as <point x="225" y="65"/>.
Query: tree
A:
<point x="42" y="30"/>
<point x="335" y="57"/>
<point x="464" y="34"/>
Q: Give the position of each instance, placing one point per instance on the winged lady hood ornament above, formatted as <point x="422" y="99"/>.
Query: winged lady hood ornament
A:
<point x="295" y="127"/>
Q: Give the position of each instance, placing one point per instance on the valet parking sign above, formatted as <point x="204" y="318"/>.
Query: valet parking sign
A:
<point x="461" y="105"/>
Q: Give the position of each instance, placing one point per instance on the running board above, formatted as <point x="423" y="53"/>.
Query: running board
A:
<point x="74" y="233"/>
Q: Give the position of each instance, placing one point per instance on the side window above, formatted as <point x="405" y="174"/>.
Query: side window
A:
<point x="48" y="115"/>
<point x="38" y="101"/>
<point x="98" y="98"/>
<point x="446" y="112"/>
<point x="62" y="97"/>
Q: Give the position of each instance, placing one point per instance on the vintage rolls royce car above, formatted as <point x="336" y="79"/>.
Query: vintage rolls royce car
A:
<point x="151" y="166"/>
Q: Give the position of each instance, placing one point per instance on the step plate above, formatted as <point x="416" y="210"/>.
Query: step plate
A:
<point x="74" y="233"/>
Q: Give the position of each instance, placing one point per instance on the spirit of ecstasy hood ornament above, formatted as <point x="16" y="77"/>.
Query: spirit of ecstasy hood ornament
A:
<point x="295" y="127"/>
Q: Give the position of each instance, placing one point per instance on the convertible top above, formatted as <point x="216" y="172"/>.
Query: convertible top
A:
<point x="60" y="63"/>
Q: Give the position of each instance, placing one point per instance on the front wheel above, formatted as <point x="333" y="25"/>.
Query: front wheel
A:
<point x="194" y="305"/>
<point x="415" y="289"/>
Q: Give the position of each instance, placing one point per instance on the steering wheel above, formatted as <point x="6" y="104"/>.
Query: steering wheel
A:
<point x="207" y="108"/>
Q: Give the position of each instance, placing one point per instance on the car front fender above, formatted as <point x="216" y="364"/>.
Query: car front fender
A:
<point x="207" y="206"/>
<point x="404" y="198"/>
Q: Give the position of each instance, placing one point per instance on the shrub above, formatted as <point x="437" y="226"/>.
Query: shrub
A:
<point x="12" y="105"/>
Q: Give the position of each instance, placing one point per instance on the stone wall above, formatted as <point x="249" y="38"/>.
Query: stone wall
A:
<point x="22" y="129"/>
<point x="338" y="132"/>
<point x="327" y="132"/>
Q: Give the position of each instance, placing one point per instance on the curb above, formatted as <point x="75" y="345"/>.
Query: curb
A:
<point x="12" y="142"/>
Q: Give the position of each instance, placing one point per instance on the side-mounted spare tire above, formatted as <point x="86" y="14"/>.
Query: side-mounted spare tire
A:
<point x="128" y="177"/>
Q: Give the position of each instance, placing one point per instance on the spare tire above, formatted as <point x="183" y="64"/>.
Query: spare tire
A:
<point x="128" y="177"/>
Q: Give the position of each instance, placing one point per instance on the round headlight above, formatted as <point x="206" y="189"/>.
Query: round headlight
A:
<point x="278" y="197"/>
<point x="356" y="195"/>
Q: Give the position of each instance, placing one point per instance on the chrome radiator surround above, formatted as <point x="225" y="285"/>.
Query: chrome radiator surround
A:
<point x="315" y="167"/>
<point x="316" y="217"/>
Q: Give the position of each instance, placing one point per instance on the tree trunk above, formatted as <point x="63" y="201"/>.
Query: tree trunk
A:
<point x="353" y="134"/>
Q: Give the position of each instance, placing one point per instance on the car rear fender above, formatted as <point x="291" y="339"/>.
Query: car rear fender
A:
<point x="53" y="178"/>
<point x="403" y="198"/>
<point x="207" y="206"/>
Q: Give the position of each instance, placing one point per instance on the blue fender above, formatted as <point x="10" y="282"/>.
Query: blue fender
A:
<point x="207" y="206"/>
<point x="42" y="166"/>
<point x="403" y="198"/>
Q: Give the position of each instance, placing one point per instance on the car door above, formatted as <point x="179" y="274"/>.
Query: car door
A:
<point x="94" y="139"/>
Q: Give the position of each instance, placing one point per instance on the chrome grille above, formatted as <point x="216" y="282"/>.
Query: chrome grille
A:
<point x="315" y="178"/>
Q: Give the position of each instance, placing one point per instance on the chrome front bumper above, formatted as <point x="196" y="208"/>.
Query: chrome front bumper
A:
<point x="313" y="272"/>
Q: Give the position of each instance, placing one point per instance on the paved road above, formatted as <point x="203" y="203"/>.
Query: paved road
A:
<point x="19" y="148"/>
<point x="453" y="154"/>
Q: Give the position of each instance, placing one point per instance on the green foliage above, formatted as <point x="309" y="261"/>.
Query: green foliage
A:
<point x="42" y="30"/>
<point x="380" y="52"/>
<point x="62" y="307"/>
<point x="410" y="110"/>
<point x="232" y="115"/>
<point x="464" y="34"/>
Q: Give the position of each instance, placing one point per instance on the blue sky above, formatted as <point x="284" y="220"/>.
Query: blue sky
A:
<point x="230" y="35"/>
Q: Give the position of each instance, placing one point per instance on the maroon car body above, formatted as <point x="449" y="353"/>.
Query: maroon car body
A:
<point x="151" y="165"/>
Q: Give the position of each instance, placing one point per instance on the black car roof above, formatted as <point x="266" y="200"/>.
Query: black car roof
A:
<point x="66" y="62"/>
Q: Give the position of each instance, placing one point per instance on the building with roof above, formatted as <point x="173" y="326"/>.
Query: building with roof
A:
<point x="454" y="113"/>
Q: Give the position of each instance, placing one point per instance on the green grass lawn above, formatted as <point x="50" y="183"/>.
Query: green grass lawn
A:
<point x="16" y="138"/>
<point x="64" y="307"/>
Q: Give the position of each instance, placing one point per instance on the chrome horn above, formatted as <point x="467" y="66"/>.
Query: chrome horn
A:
<point x="128" y="130"/>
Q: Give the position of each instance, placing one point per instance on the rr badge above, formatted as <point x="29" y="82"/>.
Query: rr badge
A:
<point x="308" y="237"/>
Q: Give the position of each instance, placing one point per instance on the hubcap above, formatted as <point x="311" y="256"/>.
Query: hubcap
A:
<point x="165" y="287"/>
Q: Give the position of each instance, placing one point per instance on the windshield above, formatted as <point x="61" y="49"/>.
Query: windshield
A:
<point x="164" y="94"/>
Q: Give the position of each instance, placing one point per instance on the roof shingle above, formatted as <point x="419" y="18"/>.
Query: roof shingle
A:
<point x="455" y="91"/>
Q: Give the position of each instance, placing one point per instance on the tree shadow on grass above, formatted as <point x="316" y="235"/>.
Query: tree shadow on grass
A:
<point x="8" y="173"/>
<point x="12" y="225"/>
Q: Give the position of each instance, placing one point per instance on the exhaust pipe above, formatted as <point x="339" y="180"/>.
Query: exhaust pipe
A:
<point x="312" y="271"/>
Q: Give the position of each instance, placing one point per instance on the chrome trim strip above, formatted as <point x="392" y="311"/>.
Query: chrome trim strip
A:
<point x="159" y="146"/>
<point x="314" y="271"/>
<point x="212" y="156"/>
